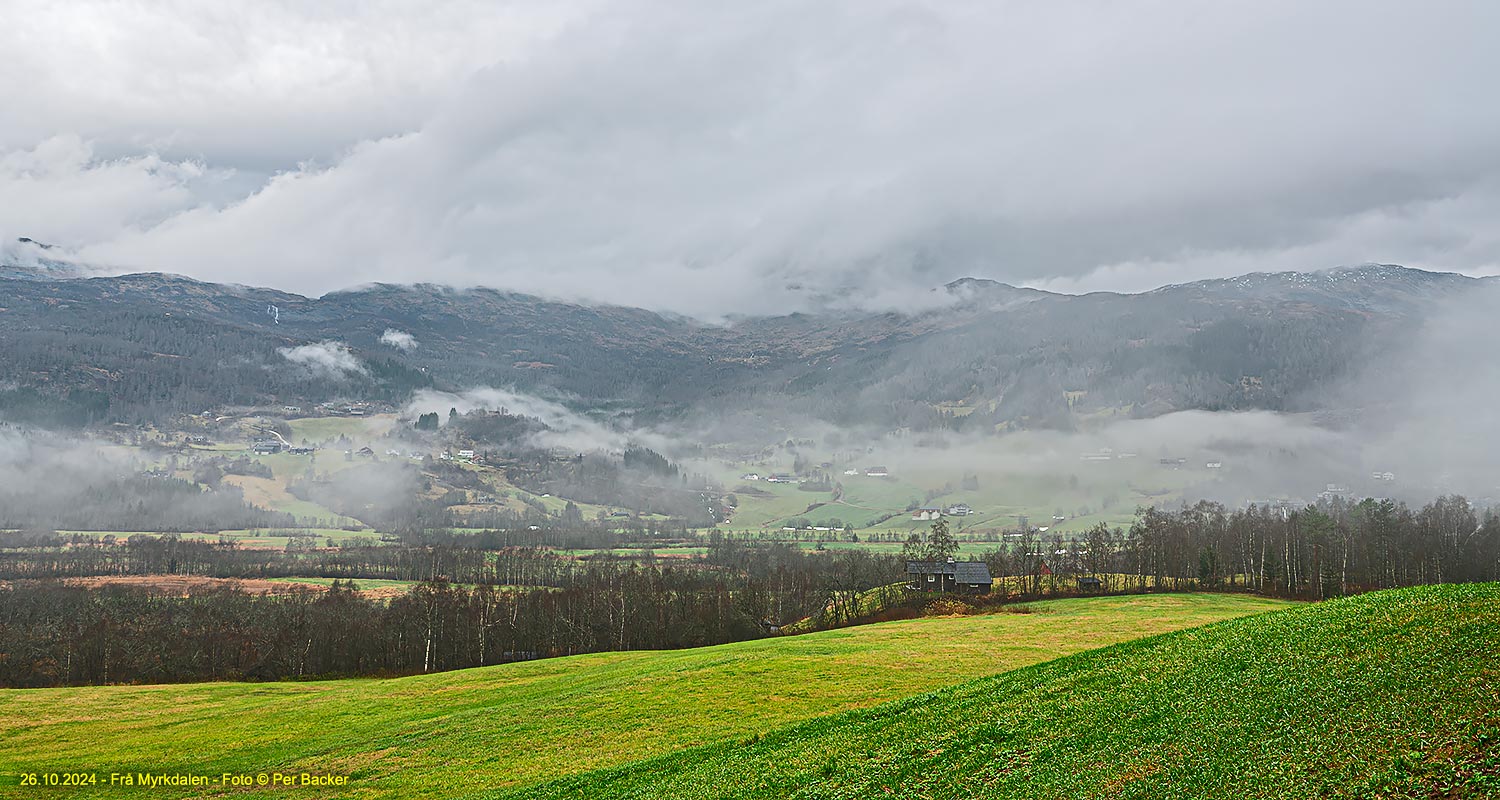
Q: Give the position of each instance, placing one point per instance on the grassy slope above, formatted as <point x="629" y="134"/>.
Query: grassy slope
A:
<point x="1395" y="694"/>
<point x="514" y="725"/>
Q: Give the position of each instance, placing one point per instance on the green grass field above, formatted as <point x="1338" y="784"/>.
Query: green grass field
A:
<point x="453" y="734"/>
<point x="1394" y="694"/>
<point x="1084" y="493"/>
<point x="361" y="430"/>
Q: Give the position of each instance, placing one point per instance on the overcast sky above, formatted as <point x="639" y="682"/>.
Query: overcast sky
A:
<point x="743" y="157"/>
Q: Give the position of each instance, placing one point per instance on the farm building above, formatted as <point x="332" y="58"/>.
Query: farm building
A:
<point x="972" y="577"/>
<point x="958" y="510"/>
<point x="926" y="513"/>
<point x="877" y="472"/>
<point x="1090" y="583"/>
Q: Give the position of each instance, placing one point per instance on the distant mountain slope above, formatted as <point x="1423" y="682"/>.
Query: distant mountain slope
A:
<point x="975" y="355"/>
<point x="1392" y="694"/>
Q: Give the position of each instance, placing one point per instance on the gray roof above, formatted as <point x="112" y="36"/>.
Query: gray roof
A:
<point x="971" y="572"/>
<point x="962" y="571"/>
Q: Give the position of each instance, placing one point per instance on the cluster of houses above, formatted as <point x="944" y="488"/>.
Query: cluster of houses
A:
<point x="269" y="446"/>
<point x="1334" y="490"/>
<point x="785" y="477"/>
<point x="342" y="408"/>
<point x="368" y="452"/>
<point x="926" y="513"/>
<point x="461" y="456"/>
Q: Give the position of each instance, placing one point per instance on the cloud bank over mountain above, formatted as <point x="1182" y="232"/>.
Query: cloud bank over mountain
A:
<point x="710" y="159"/>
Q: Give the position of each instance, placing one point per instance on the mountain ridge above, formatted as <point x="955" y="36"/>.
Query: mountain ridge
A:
<point x="138" y="346"/>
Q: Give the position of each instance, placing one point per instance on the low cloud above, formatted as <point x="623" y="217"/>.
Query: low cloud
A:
<point x="401" y="340"/>
<point x="741" y="158"/>
<point x="325" y="359"/>
<point x="569" y="429"/>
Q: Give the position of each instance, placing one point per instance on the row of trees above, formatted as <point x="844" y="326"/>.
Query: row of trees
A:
<point x="1331" y="549"/>
<point x="480" y="606"/>
<point x="55" y="634"/>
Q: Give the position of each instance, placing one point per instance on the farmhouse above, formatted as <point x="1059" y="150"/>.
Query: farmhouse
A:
<point x="926" y="513"/>
<point x="972" y="577"/>
<point x="265" y="447"/>
<point x="958" y="510"/>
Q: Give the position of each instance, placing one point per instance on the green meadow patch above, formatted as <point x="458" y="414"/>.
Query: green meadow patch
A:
<point x="1394" y="694"/>
<point x="517" y="725"/>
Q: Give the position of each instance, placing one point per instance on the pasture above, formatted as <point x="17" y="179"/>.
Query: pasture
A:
<point x="516" y="725"/>
<point x="1392" y="694"/>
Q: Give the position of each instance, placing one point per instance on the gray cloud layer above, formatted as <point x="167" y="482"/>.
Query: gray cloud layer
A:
<point x="710" y="158"/>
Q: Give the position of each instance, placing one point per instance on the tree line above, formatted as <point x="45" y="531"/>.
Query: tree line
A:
<point x="1330" y="549"/>
<point x="53" y="633"/>
<point x="480" y="605"/>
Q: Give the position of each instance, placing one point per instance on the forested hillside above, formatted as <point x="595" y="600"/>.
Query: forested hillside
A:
<point x="143" y="347"/>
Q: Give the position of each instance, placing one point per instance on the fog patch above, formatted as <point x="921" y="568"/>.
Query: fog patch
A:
<point x="569" y="429"/>
<point x="327" y="359"/>
<point x="401" y="340"/>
